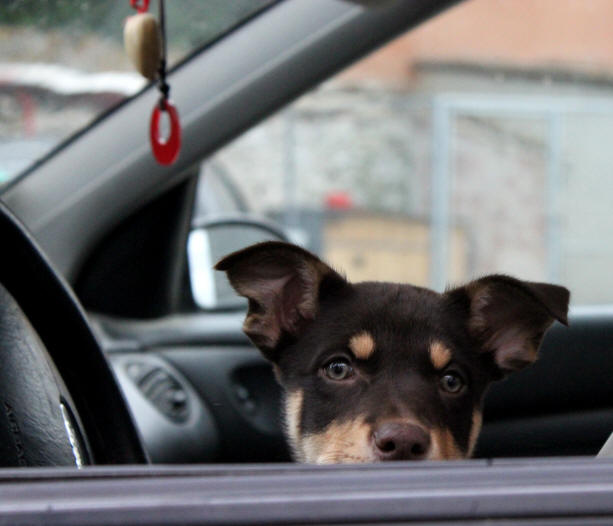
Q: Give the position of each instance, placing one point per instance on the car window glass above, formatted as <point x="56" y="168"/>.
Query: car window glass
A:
<point x="477" y="143"/>
<point x="217" y="193"/>
<point x="63" y="64"/>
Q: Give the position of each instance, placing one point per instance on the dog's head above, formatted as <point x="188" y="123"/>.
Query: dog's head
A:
<point x="382" y="371"/>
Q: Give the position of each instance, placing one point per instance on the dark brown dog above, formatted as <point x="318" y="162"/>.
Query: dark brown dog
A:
<point x="381" y="371"/>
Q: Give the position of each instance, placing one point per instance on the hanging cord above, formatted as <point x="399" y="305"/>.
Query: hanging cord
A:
<point x="162" y="84"/>
<point x="138" y="31"/>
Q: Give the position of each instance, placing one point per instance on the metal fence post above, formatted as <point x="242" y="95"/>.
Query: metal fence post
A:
<point x="439" y="214"/>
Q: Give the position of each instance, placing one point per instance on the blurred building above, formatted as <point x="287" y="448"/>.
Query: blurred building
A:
<point x="485" y="130"/>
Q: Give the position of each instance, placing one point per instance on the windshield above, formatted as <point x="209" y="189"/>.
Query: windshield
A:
<point x="63" y="64"/>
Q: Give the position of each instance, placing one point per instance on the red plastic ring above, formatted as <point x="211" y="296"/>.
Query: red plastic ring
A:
<point x="165" y="151"/>
<point x="140" y="5"/>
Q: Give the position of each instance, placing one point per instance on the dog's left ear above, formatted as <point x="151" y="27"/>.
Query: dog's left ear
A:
<point x="509" y="317"/>
<point x="282" y="283"/>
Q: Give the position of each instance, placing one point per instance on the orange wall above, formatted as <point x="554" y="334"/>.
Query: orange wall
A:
<point x="565" y="34"/>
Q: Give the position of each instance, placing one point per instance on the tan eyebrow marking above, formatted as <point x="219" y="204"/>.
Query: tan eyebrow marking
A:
<point x="440" y="355"/>
<point x="362" y="345"/>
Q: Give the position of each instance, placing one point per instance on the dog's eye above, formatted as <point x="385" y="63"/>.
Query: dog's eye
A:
<point x="338" y="369"/>
<point x="451" y="382"/>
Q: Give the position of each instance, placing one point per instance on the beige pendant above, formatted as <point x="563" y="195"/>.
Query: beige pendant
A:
<point x="141" y="37"/>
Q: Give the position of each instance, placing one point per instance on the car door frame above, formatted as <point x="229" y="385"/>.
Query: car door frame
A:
<point x="562" y="491"/>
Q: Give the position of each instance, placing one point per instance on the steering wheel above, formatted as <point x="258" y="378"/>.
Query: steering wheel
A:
<point x="59" y="402"/>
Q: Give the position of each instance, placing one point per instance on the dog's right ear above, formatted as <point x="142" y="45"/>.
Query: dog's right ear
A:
<point x="282" y="283"/>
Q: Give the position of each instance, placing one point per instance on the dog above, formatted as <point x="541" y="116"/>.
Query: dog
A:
<point x="377" y="371"/>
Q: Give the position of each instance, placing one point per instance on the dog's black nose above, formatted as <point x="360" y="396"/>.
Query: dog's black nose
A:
<point x="398" y="441"/>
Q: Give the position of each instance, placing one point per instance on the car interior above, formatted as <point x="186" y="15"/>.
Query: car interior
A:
<point x="108" y="300"/>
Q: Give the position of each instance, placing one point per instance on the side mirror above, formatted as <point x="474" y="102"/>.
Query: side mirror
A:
<point x="212" y="239"/>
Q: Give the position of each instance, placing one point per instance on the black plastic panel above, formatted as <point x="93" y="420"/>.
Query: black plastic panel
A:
<point x="561" y="405"/>
<point x="189" y="435"/>
<point x="238" y="386"/>
<point x="573" y="373"/>
<point x="139" y="268"/>
<point x="161" y="388"/>
<point x="568" y="434"/>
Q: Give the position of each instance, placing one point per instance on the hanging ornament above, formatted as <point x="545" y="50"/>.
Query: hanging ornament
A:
<point x="140" y="5"/>
<point x="165" y="150"/>
<point x="145" y="43"/>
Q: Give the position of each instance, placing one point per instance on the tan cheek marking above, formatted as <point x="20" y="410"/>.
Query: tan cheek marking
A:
<point x="474" y="431"/>
<point x="347" y="442"/>
<point x="444" y="446"/>
<point x="440" y="355"/>
<point x="293" y="410"/>
<point x="362" y="345"/>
